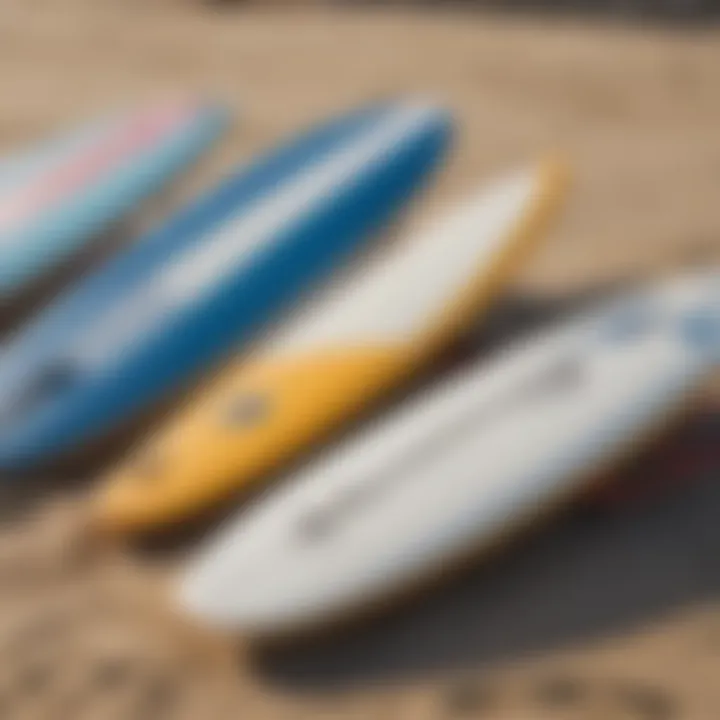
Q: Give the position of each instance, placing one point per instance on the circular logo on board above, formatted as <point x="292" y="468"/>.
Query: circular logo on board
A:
<point x="247" y="410"/>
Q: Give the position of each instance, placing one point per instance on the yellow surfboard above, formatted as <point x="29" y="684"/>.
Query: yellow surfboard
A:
<point x="340" y="353"/>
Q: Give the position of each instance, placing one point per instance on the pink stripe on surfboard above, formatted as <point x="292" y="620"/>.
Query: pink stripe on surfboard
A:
<point x="81" y="170"/>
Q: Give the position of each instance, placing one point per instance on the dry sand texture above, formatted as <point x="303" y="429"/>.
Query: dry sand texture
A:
<point x="635" y="111"/>
<point x="81" y="638"/>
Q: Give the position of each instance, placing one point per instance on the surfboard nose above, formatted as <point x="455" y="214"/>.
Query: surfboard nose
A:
<point x="258" y="616"/>
<point x="198" y="599"/>
<point x="426" y="121"/>
<point x="230" y="588"/>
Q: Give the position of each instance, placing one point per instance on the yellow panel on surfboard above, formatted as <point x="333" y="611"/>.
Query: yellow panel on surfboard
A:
<point x="340" y="353"/>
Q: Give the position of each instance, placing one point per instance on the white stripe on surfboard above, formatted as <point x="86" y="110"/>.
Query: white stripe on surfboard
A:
<point x="203" y="265"/>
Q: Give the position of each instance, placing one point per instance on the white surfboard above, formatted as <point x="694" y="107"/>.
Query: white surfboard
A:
<point x="452" y="471"/>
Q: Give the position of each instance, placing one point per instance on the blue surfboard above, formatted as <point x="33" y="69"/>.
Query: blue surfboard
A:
<point x="56" y="197"/>
<point x="154" y="317"/>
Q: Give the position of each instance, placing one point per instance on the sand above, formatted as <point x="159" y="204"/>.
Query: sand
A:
<point x="636" y="113"/>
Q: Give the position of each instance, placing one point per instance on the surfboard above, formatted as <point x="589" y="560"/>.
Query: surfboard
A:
<point x="354" y="342"/>
<point x="159" y="314"/>
<point x="56" y="197"/>
<point x="454" y="470"/>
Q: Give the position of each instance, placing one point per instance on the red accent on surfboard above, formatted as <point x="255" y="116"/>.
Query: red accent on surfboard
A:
<point x="137" y="135"/>
<point x="688" y="455"/>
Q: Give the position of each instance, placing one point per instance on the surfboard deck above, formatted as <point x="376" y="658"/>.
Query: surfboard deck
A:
<point x="456" y="470"/>
<point x="159" y="314"/>
<point x="57" y="197"/>
<point x="334" y="358"/>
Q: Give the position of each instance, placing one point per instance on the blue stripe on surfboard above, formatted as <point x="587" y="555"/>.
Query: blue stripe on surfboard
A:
<point x="63" y="228"/>
<point x="197" y="336"/>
